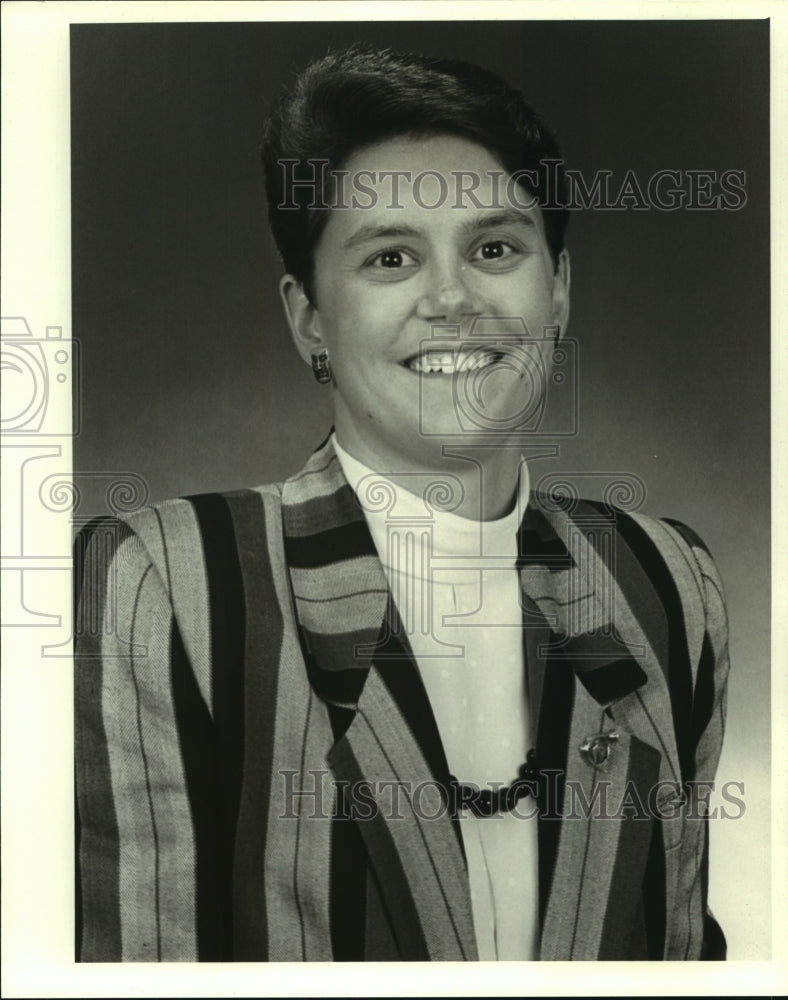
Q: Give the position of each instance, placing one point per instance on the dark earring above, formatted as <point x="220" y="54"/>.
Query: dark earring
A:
<point x="321" y="366"/>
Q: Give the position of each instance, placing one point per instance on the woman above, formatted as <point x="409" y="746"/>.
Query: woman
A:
<point x="400" y="707"/>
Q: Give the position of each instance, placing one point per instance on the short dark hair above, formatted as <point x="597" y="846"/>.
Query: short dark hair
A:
<point x="361" y="95"/>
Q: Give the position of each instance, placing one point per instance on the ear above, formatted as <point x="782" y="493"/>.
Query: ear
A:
<point x="561" y="282"/>
<point x="302" y="317"/>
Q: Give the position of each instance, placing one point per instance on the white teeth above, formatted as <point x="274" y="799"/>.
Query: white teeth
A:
<point x="483" y="361"/>
<point x="447" y="362"/>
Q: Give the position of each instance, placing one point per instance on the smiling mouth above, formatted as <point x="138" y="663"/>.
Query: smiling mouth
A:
<point x="449" y="362"/>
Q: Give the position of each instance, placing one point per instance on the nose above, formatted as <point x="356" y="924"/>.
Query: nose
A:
<point x="449" y="295"/>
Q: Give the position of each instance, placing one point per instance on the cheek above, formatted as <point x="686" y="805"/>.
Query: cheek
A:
<point x="363" y="320"/>
<point x="525" y="290"/>
<point x="536" y="308"/>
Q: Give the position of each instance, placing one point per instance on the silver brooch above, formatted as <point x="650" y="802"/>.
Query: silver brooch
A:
<point x="595" y="750"/>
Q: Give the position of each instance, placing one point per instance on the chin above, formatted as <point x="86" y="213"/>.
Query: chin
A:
<point x="432" y="441"/>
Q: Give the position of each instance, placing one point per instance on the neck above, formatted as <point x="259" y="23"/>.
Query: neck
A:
<point x="481" y="481"/>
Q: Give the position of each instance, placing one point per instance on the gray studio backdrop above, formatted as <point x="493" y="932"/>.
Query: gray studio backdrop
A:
<point x="189" y="379"/>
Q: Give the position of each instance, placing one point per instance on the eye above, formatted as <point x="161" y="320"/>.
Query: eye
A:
<point x="495" y="250"/>
<point x="391" y="260"/>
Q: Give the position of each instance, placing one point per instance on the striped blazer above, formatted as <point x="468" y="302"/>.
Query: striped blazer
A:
<point x="240" y="666"/>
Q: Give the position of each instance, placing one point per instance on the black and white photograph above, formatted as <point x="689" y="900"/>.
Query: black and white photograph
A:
<point x="388" y="509"/>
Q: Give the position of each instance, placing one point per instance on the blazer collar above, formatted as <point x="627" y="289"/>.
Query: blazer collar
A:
<point x="569" y="596"/>
<point x="338" y="583"/>
<point x="342" y="595"/>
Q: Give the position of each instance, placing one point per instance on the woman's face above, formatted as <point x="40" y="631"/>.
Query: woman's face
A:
<point x="437" y="300"/>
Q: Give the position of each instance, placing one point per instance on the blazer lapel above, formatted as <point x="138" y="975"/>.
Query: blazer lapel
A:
<point x="591" y="681"/>
<point x="591" y="677"/>
<point x="387" y="746"/>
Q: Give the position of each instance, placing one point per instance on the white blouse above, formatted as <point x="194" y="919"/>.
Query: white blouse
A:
<point x="456" y="587"/>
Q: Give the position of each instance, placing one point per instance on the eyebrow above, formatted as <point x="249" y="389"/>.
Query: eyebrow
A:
<point x="507" y="217"/>
<point x="364" y="234"/>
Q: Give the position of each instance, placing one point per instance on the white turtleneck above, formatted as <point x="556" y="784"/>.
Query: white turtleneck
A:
<point x="456" y="588"/>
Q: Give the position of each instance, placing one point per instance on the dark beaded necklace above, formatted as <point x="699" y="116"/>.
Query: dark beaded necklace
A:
<point x="491" y="802"/>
